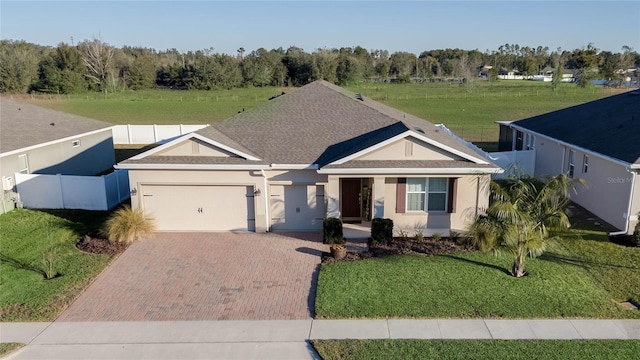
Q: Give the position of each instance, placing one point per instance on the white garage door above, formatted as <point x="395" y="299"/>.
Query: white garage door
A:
<point x="200" y="208"/>
<point x="297" y="207"/>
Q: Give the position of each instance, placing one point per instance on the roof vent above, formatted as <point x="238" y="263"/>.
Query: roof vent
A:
<point x="418" y="129"/>
<point x="359" y="97"/>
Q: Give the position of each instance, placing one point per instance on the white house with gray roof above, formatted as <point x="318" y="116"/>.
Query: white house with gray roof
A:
<point x="36" y="140"/>
<point x="319" y="151"/>
<point x="598" y="141"/>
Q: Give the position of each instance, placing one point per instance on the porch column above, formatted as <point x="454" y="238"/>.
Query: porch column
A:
<point x="378" y="197"/>
<point x="333" y="197"/>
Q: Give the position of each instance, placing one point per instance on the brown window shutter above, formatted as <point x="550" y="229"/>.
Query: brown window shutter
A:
<point x="452" y="195"/>
<point x="401" y="195"/>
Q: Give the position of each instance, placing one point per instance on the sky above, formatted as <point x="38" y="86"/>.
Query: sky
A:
<point x="412" y="26"/>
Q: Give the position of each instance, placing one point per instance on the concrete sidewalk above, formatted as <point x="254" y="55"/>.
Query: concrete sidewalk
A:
<point x="277" y="339"/>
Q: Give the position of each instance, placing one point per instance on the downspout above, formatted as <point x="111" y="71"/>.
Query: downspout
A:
<point x="477" y="196"/>
<point x="626" y="224"/>
<point x="266" y="200"/>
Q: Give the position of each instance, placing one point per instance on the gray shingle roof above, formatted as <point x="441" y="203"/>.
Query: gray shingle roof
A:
<point x="23" y="125"/>
<point x="320" y="123"/>
<point x="609" y="126"/>
<point x="195" y="160"/>
<point x="408" y="164"/>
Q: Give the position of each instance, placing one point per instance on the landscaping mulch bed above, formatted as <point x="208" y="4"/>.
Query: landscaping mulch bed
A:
<point x="94" y="244"/>
<point x="403" y="246"/>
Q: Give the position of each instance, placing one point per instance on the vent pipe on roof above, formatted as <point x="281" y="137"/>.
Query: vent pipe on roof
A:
<point x="359" y="97"/>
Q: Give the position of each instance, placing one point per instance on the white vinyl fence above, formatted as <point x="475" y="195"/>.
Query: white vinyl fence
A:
<point x="73" y="192"/>
<point x="150" y="134"/>
<point x="514" y="163"/>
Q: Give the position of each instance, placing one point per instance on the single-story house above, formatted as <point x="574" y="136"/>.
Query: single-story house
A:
<point x="36" y="140"/>
<point x="598" y="141"/>
<point x="319" y="151"/>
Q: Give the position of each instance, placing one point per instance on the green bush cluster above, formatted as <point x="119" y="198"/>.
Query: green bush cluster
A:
<point x="381" y="231"/>
<point x="332" y="231"/>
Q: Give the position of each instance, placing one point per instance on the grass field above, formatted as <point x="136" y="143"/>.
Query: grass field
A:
<point x="31" y="240"/>
<point x="470" y="110"/>
<point x="580" y="275"/>
<point x="6" y="348"/>
<point x="478" y="349"/>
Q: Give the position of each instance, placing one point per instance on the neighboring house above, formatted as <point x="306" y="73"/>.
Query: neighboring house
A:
<point x="315" y="152"/>
<point x="599" y="142"/>
<point x="35" y="140"/>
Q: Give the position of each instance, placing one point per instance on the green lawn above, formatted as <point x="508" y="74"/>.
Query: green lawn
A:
<point x="470" y="110"/>
<point x="478" y="349"/>
<point x="30" y="239"/>
<point x="577" y="277"/>
<point x="6" y="348"/>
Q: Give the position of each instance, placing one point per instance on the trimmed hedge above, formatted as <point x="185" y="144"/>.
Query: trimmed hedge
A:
<point x="332" y="231"/>
<point x="381" y="231"/>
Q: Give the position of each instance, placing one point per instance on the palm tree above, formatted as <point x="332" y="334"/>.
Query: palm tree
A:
<point x="522" y="215"/>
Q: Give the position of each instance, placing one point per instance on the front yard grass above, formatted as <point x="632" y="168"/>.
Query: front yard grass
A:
<point x="581" y="275"/>
<point x="34" y="243"/>
<point x="6" y="348"/>
<point x="478" y="349"/>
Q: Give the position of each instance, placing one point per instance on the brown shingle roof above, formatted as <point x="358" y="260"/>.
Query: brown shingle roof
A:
<point x="23" y="125"/>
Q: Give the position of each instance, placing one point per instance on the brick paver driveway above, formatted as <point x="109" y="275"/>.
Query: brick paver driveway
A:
<point x="206" y="276"/>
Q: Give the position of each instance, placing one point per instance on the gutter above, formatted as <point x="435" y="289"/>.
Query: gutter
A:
<point x="575" y="147"/>
<point x="626" y="224"/>
<point x="457" y="171"/>
<point x="266" y="200"/>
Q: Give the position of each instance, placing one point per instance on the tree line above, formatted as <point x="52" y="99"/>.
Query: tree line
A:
<point x="97" y="66"/>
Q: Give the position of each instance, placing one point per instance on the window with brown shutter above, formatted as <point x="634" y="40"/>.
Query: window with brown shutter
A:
<point x="401" y="195"/>
<point x="452" y="195"/>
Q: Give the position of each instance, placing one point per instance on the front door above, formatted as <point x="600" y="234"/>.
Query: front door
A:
<point x="350" y="200"/>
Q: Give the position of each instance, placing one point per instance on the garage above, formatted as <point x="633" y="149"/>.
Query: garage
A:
<point x="297" y="207"/>
<point x="200" y="207"/>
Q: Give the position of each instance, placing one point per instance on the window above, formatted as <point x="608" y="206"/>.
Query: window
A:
<point x="23" y="164"/>
<point x="416" y="191"/>
<point x="519" y="140"/>
<point x="75" y="143"/>
<point x="585" y="164"/>
<point x="572" y="166"/>
<point x="428" y="194"/>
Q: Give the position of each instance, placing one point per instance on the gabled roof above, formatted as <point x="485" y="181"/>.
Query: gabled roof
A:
<point x="24" y="125"/>
<point x="608" y="126"/>
<point x="314" y="126"/>
<point x="320" y="123"/>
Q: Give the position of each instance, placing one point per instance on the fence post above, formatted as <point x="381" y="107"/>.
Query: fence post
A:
<point x="181" y="130"/>
<point x="129" y="133"/>
<point x="155" y="133"/>
<point x="61" y="189"/>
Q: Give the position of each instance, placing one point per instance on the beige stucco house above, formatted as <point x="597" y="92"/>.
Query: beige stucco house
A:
<point x="319" y="151"/>
<point x="36" y="140"/>
<point x="599" y="142"/>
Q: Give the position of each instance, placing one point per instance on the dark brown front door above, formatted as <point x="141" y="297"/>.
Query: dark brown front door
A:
<point x="351" y="199"/>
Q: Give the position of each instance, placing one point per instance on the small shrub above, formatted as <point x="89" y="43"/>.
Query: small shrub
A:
<point x="635" y="238"/>
<point x="49" y="259"/>
<point x="454" y="236"/>
<point x="381" y="231"/>
<point x="403" y="234"/>
<point x="127" y="225"/>
<point x="419" y="235"/>
<point x="332" y="231"/>
<point x="436" y="237"/>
